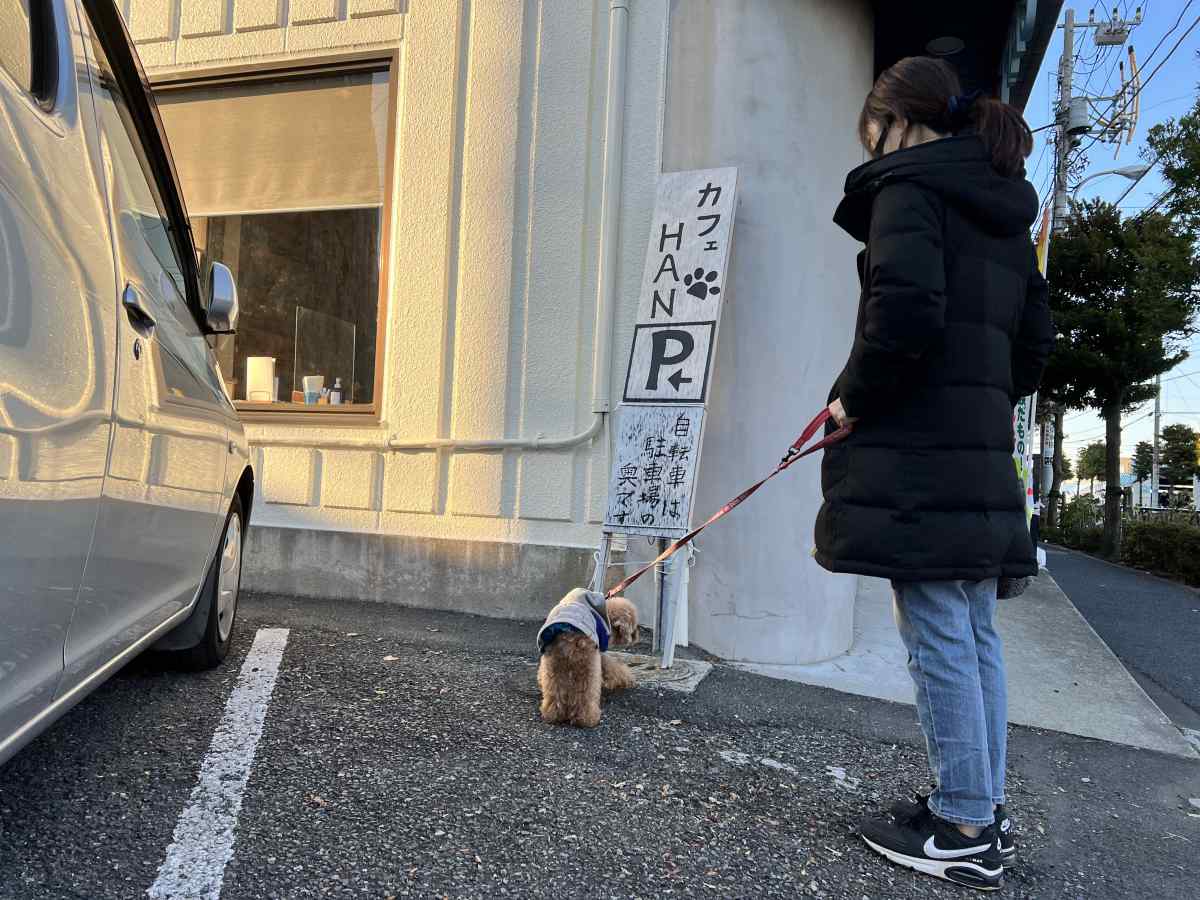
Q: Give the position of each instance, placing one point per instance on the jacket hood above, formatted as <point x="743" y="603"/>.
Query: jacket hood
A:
<point x="957" y="169"/>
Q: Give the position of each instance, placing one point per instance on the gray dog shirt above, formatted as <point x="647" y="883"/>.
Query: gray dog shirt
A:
<point x="574" y="612"/>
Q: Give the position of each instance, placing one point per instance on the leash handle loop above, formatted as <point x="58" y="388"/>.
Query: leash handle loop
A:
<point x="795" y="452"/>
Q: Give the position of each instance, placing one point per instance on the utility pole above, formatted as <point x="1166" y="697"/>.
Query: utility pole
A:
<point x="1058" y="215"/>
<point x="1154" y="465"/>
<point x="1065" y="142"/>
<point x="1075" y="118"/>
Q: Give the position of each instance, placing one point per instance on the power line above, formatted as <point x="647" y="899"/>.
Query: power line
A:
<point x="1145" y="82"/>
<point x="1139" y="408"/>
<point x="1033" y="173"/>
<point x="1169" y="31"/>
<point x="1091" y="437"/>
<point x="1181" y="375"/>
<point x="1158" y="201"/>
<point x="1135" y="181"/>
<point x="1169" y="100"/>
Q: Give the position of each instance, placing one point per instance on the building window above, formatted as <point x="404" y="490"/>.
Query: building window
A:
<point x="28" y="51"/>
<point x="285" y="177"/>
<point x="16" y="42"/>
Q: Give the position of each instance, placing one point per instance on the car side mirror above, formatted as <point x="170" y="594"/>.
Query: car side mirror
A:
<point x="222" y="306"/>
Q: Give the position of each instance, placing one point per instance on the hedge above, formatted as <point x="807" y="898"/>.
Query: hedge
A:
<point x="1079" y="526"/>
<point x="1168" y="548"/>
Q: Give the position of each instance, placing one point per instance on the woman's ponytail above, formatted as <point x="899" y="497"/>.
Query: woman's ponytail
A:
<point x="1004" y="132"/>
<point x="926" y="91"/>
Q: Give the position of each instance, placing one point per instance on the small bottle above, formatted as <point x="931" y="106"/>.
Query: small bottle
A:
<point x="335" y="395"/>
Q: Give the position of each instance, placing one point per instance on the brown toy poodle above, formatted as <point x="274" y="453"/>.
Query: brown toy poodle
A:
<point x="574" y="668"/>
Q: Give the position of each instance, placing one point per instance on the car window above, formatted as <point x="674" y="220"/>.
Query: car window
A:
<point x="146" y="242"/>
<point x="145" y="229"/>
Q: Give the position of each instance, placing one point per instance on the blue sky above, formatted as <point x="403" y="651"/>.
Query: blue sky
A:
<point x="1171" y="92"/>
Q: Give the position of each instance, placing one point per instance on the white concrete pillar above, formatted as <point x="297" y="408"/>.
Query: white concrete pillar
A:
<point x="773" y="87"/>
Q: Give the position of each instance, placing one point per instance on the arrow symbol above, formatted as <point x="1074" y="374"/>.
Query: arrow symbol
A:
<point x="677" y="380"/>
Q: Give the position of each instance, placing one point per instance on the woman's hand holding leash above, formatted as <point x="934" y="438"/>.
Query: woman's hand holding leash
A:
<point x="839" y="414"/>
<point x="796" y="451"/>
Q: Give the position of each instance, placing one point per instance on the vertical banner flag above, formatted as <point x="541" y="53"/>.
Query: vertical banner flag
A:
<point x="1025" y="414"/>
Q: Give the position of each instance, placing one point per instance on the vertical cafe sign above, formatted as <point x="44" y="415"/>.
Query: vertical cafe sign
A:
<point x="661" y="417"/>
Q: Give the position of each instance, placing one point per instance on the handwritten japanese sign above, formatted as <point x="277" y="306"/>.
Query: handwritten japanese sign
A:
<point x="683" y="287"/>
<point x="660" y="422"/>
<point x="650" y="491"/>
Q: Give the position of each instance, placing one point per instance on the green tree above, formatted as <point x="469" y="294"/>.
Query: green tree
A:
<point x="1177" y="461"/>
<point x="1124" y="293"/>
<point x="1092" y="460"/>
<point x="1068" y="471"/>
<point x="1175" y="145"/>
<point x="1143" y="460"/>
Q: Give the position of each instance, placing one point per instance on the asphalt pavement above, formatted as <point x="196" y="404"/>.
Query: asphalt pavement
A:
<point x="402" y="756"/>
<point x="1150" y="623"/>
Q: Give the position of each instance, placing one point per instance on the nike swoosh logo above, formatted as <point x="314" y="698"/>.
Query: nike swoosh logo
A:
<point x="933" y="851"/>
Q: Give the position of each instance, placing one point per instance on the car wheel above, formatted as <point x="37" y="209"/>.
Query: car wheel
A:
<point x="220" y="597"/>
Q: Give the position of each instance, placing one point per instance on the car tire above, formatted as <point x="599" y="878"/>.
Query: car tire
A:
<point x="219" y="596"/>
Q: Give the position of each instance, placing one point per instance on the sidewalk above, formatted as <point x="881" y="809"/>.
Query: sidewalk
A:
<point x="1061" y="675"/>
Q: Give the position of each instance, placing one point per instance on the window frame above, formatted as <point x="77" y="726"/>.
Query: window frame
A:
<point x="285" y="412"/>
<point x="108" y="29"/>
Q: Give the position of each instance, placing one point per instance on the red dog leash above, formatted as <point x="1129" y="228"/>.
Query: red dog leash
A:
<point x="794" y="453"/>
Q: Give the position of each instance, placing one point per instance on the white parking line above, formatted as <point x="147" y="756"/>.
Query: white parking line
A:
<point x="203" y="840"/>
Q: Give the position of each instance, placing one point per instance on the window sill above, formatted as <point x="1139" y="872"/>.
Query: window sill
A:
<point x="312" y="414"/>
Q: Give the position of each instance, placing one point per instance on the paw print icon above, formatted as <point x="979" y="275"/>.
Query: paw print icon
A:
<point x="700" y="285"/>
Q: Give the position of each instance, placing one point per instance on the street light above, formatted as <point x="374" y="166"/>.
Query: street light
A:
<point x="1133" y="173"/>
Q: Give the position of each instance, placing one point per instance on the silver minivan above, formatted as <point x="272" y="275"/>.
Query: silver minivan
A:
<point x="125" y="483"/>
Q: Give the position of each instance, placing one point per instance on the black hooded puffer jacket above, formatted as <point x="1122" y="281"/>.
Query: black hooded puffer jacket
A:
<point x="953" y="327"/>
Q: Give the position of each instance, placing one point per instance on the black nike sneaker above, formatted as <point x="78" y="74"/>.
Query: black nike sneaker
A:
<point x="931" y="845"/>
<point x="906" y="809"/>
<point x="1008" y="842"/>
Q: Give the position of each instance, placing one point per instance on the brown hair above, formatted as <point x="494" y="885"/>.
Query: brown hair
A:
<point x="926" y="91"/>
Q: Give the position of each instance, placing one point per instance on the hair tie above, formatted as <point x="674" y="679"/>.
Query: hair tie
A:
<point x="959" y="106"/>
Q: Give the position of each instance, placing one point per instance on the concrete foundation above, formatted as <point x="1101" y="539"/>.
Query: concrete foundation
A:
<point x="510" y="581"/>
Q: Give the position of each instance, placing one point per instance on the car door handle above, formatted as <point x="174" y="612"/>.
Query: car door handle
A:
<point x="137" y="310"/>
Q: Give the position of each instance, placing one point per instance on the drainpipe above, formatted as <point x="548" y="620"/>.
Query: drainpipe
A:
<point x="606" y="285"/>
<point x="610" y="204"/>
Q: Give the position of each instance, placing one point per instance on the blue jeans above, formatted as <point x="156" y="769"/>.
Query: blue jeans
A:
<point x="956" y="660"/>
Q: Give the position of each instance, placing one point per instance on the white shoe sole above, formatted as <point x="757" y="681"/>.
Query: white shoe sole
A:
<point x="944" y="869"/>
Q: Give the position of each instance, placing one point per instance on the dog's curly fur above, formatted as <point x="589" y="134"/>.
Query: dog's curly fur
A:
<point x="573" y="671"/>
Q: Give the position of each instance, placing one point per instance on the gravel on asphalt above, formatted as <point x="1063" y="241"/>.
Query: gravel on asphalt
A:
<point x="403" y="757"/>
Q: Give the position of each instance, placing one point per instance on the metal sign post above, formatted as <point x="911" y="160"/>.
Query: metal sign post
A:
<point x="660" y="421"/>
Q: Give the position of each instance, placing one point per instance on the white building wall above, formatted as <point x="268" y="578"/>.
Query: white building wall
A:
<point x="495" y="230"/>
<point x="773" y="87"/>
<point x="495" y="224"/>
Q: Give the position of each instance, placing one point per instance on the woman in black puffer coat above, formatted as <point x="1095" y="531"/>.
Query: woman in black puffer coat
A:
<point x="953" y="328"/>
